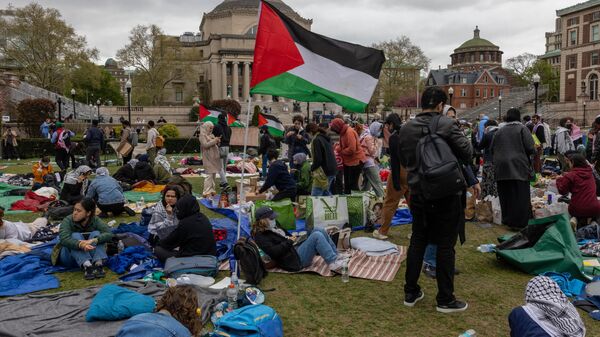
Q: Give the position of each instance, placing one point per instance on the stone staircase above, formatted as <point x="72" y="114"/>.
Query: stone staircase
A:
<point x="516" y="98"/>
<point x="22" y="90"/>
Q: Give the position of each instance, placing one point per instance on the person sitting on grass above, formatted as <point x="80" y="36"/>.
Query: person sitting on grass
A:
<point x="82" y="240"/>
<point x="40" y="170"/>
<point x="177" y="315"/>
<point x="162" y="167"/>
<point x="193" y="235"/>
<point x="75" y="185"/>
<point x="163" y="220"/>
<point x="302" y="174"/>
<point x="126" y="173"/>
<point x="279" y="176"/>
<point x="285" y="251"/>
<point x="143" y="170"/>
<point x="580" y="182"/>
<point x="108" y="193"/>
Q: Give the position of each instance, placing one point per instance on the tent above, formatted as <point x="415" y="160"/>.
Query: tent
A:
<point x="545" y="245"/>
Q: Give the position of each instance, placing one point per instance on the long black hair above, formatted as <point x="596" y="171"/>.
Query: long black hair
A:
<point x="179" y="192"/>
<point x="394" y="121"/>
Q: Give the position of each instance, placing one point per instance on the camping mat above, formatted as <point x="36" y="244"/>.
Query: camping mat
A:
<point x="134" y="196"/>
<point x="378" y="268"/>
<point x="62" y="314"/>
<point x="4" y="187"/>
<point x="146" y="186"/>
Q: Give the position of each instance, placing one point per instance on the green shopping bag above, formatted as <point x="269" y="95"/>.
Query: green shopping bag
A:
<point x="284" y="209"/>
<point x="545" y="245"/>
<point x="358" y="208"/>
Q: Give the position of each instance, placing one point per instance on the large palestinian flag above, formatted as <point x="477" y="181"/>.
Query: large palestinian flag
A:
<point x="207" y="115"/>
<point x="275" y="126"/>
<point x="290" y="61"/>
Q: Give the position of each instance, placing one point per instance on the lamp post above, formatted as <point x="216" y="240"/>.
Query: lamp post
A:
<point x="500" y="108"/>
<point x="536" y="84"/>
<point x="584" y="104"/>
<point x="450" y="93"/>
<point x="73" y="92"/>
<point x="59" y="101"/>
<point x="128" y="88"/>
<point x="98" y="105"/>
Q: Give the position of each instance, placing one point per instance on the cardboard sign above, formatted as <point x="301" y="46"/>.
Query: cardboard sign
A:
<point x="237" y="136"/>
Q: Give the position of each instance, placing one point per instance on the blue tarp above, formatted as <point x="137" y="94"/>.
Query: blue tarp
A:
<point x="120" y="263"/>
<point x="133" y="227"/>
<point x="26" y="273"/>
<point x="231" y="214"/>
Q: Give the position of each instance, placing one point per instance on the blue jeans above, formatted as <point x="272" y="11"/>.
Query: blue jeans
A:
<point x="75" y="257"/>
<point x="319" y="192"/>
<point x="318" y="242"/>
<point x="265" y="162"/>
<point x="430" y="253"/>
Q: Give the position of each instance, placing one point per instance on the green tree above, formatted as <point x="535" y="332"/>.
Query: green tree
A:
<point x="548" y="77"/>
<point x="155" y="58"/>
<point x="89" y="79"/>
<point x="401" y="70"/>
<point x="519" y="64"/>
<point x="44" y="45"/>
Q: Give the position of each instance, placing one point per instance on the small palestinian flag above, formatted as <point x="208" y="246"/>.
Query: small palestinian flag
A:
<point x="290" y="61"/>
<point x="276" y="129"/>
<point x="212" y="116"/>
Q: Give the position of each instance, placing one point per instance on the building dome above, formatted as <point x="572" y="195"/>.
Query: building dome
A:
<point x="111" y="63"/>
<point x="229" y="5"/>
<point x="476" y="54"/>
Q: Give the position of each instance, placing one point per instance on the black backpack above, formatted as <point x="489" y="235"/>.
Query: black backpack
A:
<point x="440" y="173"/>
<point x="250" y="262"/>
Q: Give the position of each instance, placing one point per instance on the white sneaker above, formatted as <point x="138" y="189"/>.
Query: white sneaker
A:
<point x="336" y="266"/>
<point x="379" y="236"/>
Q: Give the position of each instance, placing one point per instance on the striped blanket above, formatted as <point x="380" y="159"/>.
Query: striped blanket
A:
<point x="378" y="268"/>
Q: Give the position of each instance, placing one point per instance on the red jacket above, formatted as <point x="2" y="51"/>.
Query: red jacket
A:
<point x="350" y="150"/>
<point x="582" y="186"/>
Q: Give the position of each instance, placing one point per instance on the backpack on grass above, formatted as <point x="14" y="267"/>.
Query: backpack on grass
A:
<point x="440" y="173"/>
<point x="205" y="265"/>
<point x="250" y="321"/>
<point x="250" y="261"/>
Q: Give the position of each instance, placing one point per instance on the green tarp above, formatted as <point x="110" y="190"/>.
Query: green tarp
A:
<point x="553" y="249"/>
<point x="133" y="196"/>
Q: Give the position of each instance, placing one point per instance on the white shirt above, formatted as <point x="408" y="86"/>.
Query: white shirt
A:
<point x="15" y="230"/>
<point x="151" y="142"/>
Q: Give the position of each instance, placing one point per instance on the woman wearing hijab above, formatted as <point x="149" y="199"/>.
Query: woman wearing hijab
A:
<point x="193" y="235"/>
<point x="126" y="173"/>
<point x="108" y="194"/>
<point x="76" y="183"/>
<point x="211" y="158"/>
<point x="162" y="167"/>
<point x="547" y="312"/>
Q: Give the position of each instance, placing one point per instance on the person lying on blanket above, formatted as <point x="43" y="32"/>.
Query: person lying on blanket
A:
<point x="83" y="238"/>
<point x="19" y="230"/>
<point x="177" y="314"/>
<point x="284" y="250"/>
<point x="126" y="173"/>
<point x="193" y="235"/>
<point x="163" y="220"/>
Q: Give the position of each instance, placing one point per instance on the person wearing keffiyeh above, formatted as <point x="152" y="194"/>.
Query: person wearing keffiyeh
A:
<point x="547" y="312"/>
<point x="76" y="183"/>
<point x="162" y="167"/>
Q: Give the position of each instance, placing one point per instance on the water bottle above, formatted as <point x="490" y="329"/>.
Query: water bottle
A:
<point x="143" y="202"/>
<point x="487" y="248"/>
<point x="120" y="246"/>
<point x="231" y="297"/>
<point x="468" y="333"/>
<point x="345" y="274"/>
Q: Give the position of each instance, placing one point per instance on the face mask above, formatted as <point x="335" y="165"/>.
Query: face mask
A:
<point x="272" y="223"/>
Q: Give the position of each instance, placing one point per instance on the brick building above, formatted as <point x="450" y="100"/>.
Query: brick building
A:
<point x="475" y="75"/>
<point x="580" y="51"/>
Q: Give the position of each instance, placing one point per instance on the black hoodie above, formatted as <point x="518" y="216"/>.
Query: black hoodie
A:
<point x="323" y="155"/>
<point x="193" y="235"/>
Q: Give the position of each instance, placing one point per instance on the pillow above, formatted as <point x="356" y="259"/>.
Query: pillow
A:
<point x="113" y="303"/>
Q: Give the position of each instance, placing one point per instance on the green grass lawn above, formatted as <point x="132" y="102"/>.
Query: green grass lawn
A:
<point x="312" y="305"/>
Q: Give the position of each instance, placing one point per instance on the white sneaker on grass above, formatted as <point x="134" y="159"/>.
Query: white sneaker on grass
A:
<point x="379" y="236"/>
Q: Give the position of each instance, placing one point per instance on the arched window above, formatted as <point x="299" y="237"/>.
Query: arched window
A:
<point x="252" y="31"/>
<point x="593" y="85"/>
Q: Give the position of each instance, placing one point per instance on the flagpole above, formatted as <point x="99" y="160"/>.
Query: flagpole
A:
<point x="242" y="200"/>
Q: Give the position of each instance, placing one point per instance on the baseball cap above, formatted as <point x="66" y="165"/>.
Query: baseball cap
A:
<point x="265" y="212"/>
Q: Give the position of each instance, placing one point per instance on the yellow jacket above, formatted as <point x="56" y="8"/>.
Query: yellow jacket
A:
<point x="38" y="175"/>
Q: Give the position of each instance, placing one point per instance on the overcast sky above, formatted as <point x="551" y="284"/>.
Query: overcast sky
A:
<point x="437" y="26"/>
